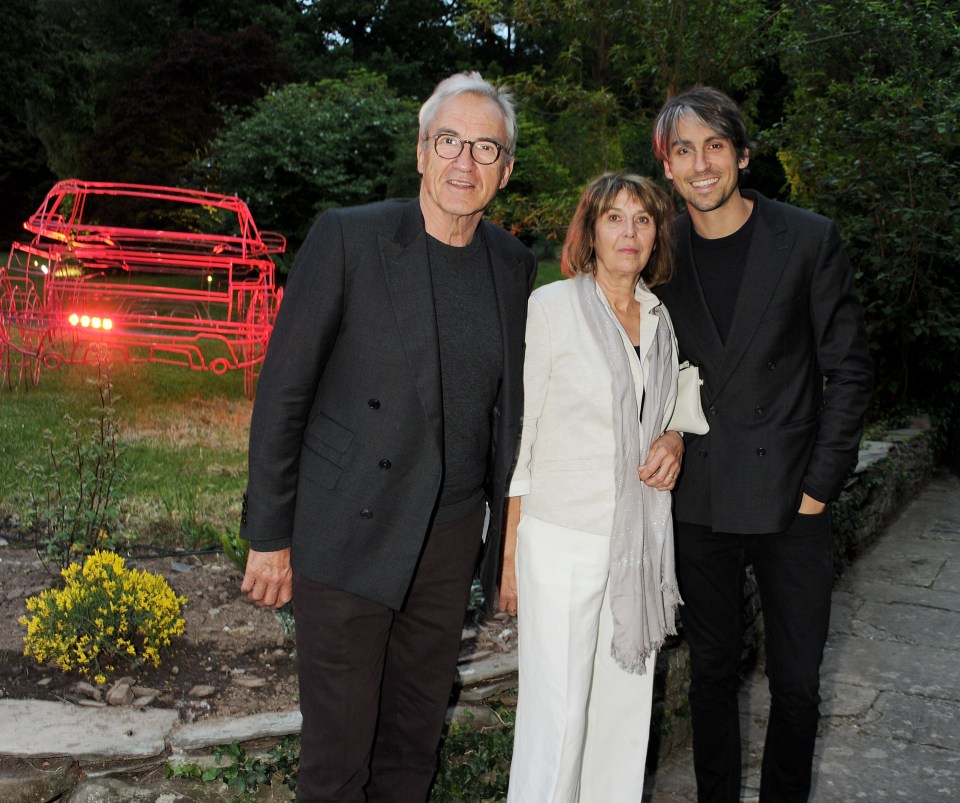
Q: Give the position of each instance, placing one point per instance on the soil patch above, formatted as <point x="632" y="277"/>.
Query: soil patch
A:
<point x="237" y="650"/>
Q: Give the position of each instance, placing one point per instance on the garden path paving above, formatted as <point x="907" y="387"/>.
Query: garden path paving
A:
<point x="891" y="673"/>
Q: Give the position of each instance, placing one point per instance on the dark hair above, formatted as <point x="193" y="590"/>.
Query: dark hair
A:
<point x="598" y="197"/>
<point x="708" y="105"/>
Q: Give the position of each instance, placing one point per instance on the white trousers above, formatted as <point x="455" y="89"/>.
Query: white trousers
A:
<point x="582" y="722"/>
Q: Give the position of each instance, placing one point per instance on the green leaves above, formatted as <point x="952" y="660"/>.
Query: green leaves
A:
<point x="307" y="147"/>
<point x="872" y="142"/>
<point x="243" y="774"/>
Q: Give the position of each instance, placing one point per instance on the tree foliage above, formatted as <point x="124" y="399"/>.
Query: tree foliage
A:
<point x="188" y="88"/>
<point x="300" y="104"/>
<point x="870" y="138"/>
<point x="413" y="42"/>
<point x="106" y="80"/>
<point x="307" y="147"/>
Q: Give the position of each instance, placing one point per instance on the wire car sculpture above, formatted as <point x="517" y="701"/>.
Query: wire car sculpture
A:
<point x="148" y="273"/>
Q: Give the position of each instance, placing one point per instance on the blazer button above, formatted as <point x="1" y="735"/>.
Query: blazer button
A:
<point x="713" y="410"/>
<point x="771" y="366"/>
<point x="761" y="452"/>
<point x="374" y="404"/>
<point x="758" y="409"/>
<point x="384" y="464"/>
<point x="703" y="453"/>
<point x="366" y="514"/>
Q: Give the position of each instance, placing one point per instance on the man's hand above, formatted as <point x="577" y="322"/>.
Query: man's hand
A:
<point x="268" y="581"/>
<point x="664" y="460"/>
<point x="810" y="506"/>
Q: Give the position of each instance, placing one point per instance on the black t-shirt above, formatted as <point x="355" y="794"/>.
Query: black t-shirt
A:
<point x="471" y="364"/>
<point x="720" y="265"/>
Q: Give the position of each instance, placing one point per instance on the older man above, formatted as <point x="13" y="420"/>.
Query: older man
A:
<point x="383" y="434"/>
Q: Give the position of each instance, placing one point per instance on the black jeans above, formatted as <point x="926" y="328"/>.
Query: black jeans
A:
<point x="794" y="571"/>
<point x="375" y="683"/>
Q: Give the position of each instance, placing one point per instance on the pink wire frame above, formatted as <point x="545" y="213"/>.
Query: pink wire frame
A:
<point x="85" y="284"/>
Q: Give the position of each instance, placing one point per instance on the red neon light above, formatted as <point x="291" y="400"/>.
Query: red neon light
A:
<point x="197" y="289"/>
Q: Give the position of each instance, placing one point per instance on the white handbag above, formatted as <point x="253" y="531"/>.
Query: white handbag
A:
<point x="688" y="414"/>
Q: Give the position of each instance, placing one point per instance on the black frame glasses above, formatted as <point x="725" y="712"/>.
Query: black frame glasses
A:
<point x="449" y="146"/>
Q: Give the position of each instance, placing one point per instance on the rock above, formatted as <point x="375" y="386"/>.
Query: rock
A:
<point x="249" y="682"/>
<point x="87" y="690"/>
<point x="39" y="783"/>
<point x="120" y="694"/>
<point x="144" y="701"/>
<point x="44" y="681"/>
<point x="202" y="690"/>
<point x="212" y="732"/>
<point x="144" y="691"/>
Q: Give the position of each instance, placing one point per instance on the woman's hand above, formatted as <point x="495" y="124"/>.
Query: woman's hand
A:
<point x="508" y="596"/>
<point x="508" y="589"/>
<point x="664" y="461"/>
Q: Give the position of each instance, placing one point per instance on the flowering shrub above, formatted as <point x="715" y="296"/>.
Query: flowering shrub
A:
<point x="105" y="616"/>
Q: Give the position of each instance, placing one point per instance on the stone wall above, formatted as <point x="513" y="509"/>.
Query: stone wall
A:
<point x="888" y="473"/>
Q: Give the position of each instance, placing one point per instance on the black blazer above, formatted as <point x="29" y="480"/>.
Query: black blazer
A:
<point x="346" y="449"/>
<point x="786" y="394"/>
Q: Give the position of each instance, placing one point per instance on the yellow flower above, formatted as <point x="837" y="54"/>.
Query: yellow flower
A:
<point x="91" y="621"/>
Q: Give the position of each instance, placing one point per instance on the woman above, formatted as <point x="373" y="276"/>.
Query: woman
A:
<point x="589" y="533"/>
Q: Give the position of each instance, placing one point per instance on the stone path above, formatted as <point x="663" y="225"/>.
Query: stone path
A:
<point x="891" y="673"/>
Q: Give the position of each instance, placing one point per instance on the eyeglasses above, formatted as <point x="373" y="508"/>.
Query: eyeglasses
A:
<point x="483" y="151"/>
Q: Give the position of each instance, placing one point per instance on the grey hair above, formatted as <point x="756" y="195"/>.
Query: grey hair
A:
<point x="472" y="83"/>
<point x="709" y="106"/>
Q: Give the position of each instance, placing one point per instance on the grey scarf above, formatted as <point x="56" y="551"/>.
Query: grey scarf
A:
<point x="643" y="585"/>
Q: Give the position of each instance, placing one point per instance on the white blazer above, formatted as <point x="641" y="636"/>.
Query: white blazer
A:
<point x="565" y="468"/>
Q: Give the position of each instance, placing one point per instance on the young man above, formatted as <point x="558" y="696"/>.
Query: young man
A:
<point x="763" y="302"/>
<point x="384" y="429"/>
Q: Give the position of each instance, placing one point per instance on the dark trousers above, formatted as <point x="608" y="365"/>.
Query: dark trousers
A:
<point x="375" y="683"/>
<point x="794" y="571"/>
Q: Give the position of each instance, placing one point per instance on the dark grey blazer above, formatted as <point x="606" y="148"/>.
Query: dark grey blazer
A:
<point x="785" y="396"/>
<point x="346" y="438"/>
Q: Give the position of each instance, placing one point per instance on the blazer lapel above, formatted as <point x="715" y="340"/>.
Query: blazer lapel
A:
<point x="407" y="271"/>
<point x="509" y="277"/>
<point x="765" y="261"/>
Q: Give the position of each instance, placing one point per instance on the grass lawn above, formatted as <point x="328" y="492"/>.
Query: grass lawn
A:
<point x="548" y="270"/>
<point x="184" y="436"/>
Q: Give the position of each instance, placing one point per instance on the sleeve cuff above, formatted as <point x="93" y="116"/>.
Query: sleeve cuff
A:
<point x="519" y="487"/>
<point x="274" y="545"/>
